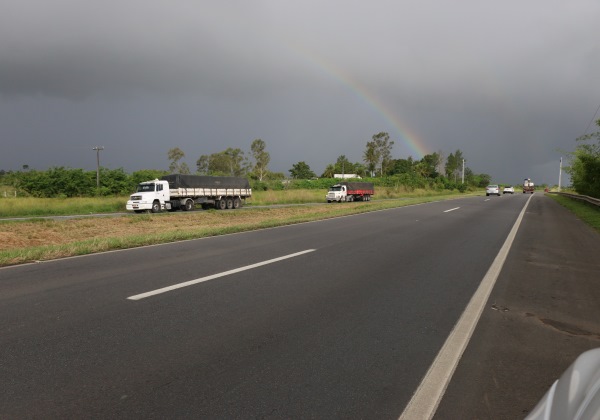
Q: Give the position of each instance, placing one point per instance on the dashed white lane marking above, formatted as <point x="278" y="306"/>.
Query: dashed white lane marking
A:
<point x="215" y="276"/>
<point x="426" y="399"/>
<point x="448" y="211"/>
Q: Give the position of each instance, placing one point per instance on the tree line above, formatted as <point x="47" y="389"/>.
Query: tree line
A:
<point x="377" y="162"/>
<point x="432" y="171"/>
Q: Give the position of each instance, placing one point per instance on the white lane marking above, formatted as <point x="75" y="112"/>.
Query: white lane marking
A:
<point x="487" y="199"/>
<point x="214" y="276"/>
<point x="426" y="399"/>
<point x="448" y="211"/>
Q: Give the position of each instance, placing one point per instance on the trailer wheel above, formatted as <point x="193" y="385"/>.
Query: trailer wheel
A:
<point x="155" y="207"/>
<point x="237" y="203"/>
<point x="221" y="204"/>
<point x="188" y="206"/>
<point x="229" y="202"/>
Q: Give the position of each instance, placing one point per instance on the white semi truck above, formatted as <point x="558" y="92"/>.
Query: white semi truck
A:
<point x="184" y="192"/>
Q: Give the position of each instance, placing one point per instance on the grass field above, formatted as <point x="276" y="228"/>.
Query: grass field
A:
<point x="27" y="206"/>
<point x="45" y="239"/>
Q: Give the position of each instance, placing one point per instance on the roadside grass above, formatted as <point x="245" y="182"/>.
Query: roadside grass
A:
<point x="42" y="240"/>
<point x="36" y="207"/>
<point x="589" y="213"/>
<point x="31" y="206"/>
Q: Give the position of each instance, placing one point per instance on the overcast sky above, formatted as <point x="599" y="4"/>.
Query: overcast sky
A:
<point x="511" y="84"/>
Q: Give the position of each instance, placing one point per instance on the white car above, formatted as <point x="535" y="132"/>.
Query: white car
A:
<point x="508" y="190"/>
<point x="492" y="190"/>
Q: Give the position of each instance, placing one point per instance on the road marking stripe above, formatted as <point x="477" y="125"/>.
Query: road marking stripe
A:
<point x="426" y="399"/>
<point x="214" y="276"/>
<point x="455" y="208"/>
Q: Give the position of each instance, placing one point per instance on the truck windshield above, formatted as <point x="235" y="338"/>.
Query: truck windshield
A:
<point x="335" y="188"/>
<point x="145" y="187"/>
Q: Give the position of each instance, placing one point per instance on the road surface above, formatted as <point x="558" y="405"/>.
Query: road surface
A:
<point x="333" y="319"/>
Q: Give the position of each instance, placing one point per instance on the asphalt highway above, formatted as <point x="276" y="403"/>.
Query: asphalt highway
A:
<point x="334" y="319"/>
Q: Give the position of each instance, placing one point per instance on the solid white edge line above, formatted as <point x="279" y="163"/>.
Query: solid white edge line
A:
<point x="426" y="399"/>
<point x="455" y="208"/>
<point x="214" y="276"/>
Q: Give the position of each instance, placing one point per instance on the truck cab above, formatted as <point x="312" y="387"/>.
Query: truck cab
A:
<point x="337" y="192"/>
<point x="150" y="195"/>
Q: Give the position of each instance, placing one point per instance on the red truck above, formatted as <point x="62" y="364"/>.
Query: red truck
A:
<point x="350" y="191"/>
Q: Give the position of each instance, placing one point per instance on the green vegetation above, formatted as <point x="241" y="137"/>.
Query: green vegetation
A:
<point x="585" y="165"/>
<point x="35" y="207"/>
<point x="31" y="206"/>
<point x="432" y="172"/>
<point x="587" y="212"/>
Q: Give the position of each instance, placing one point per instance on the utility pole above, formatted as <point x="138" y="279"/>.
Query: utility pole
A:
<point x="97" y="149"/>
<point x="463" y="171"/>
<point x="559" y="174"/>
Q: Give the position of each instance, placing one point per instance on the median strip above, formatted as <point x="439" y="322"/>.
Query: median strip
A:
<point x="215" y="276"/>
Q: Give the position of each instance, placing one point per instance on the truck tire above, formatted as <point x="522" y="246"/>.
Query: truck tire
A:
<point x="188" y="205"/>
<point x="155" y="207"/>
<point x="221" y="204"/>
<point x="237" y="203"/>
<point x="229" y="202"/>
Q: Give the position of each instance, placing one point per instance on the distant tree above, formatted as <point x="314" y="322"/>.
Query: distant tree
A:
<point x="344" y="166"/>
<point x="403" y="166"/>
<point x="585" y="165"/>
<point x="175" y="155"/>
<point x="378" y="153"/>
<point x="329" y="171"/>
<point x="58" y="182"/>
<point x="145" y="175"/>
<point x="301" y="170"/>
<point x="427" y="167"/>
<point x="454" y="165"/>
<point x="230" y="162"/>
<point x="114" y="182"/>
<point x="481" y="180"/>
<point x="237" y="161"/>
<point x="261" y="158"/>
<point x="203" y="165"/>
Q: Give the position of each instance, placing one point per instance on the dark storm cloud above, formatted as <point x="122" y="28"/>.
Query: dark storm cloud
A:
<point x="310" y="78"/>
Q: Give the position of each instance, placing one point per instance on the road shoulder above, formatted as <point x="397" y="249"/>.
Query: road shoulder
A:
<point x="543" y="312"/>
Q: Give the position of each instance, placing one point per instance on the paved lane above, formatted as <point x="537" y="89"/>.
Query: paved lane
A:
<point x="345" y="331"/>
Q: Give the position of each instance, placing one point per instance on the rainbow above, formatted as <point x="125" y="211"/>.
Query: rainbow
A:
<point x="407" y="136"/>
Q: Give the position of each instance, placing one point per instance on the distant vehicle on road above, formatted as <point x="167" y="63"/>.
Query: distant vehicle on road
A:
<point x="528" y="186"/>
<point x="492" y="190"/>
<point x="350" y="191"/>
<point x="508" y="190"/>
